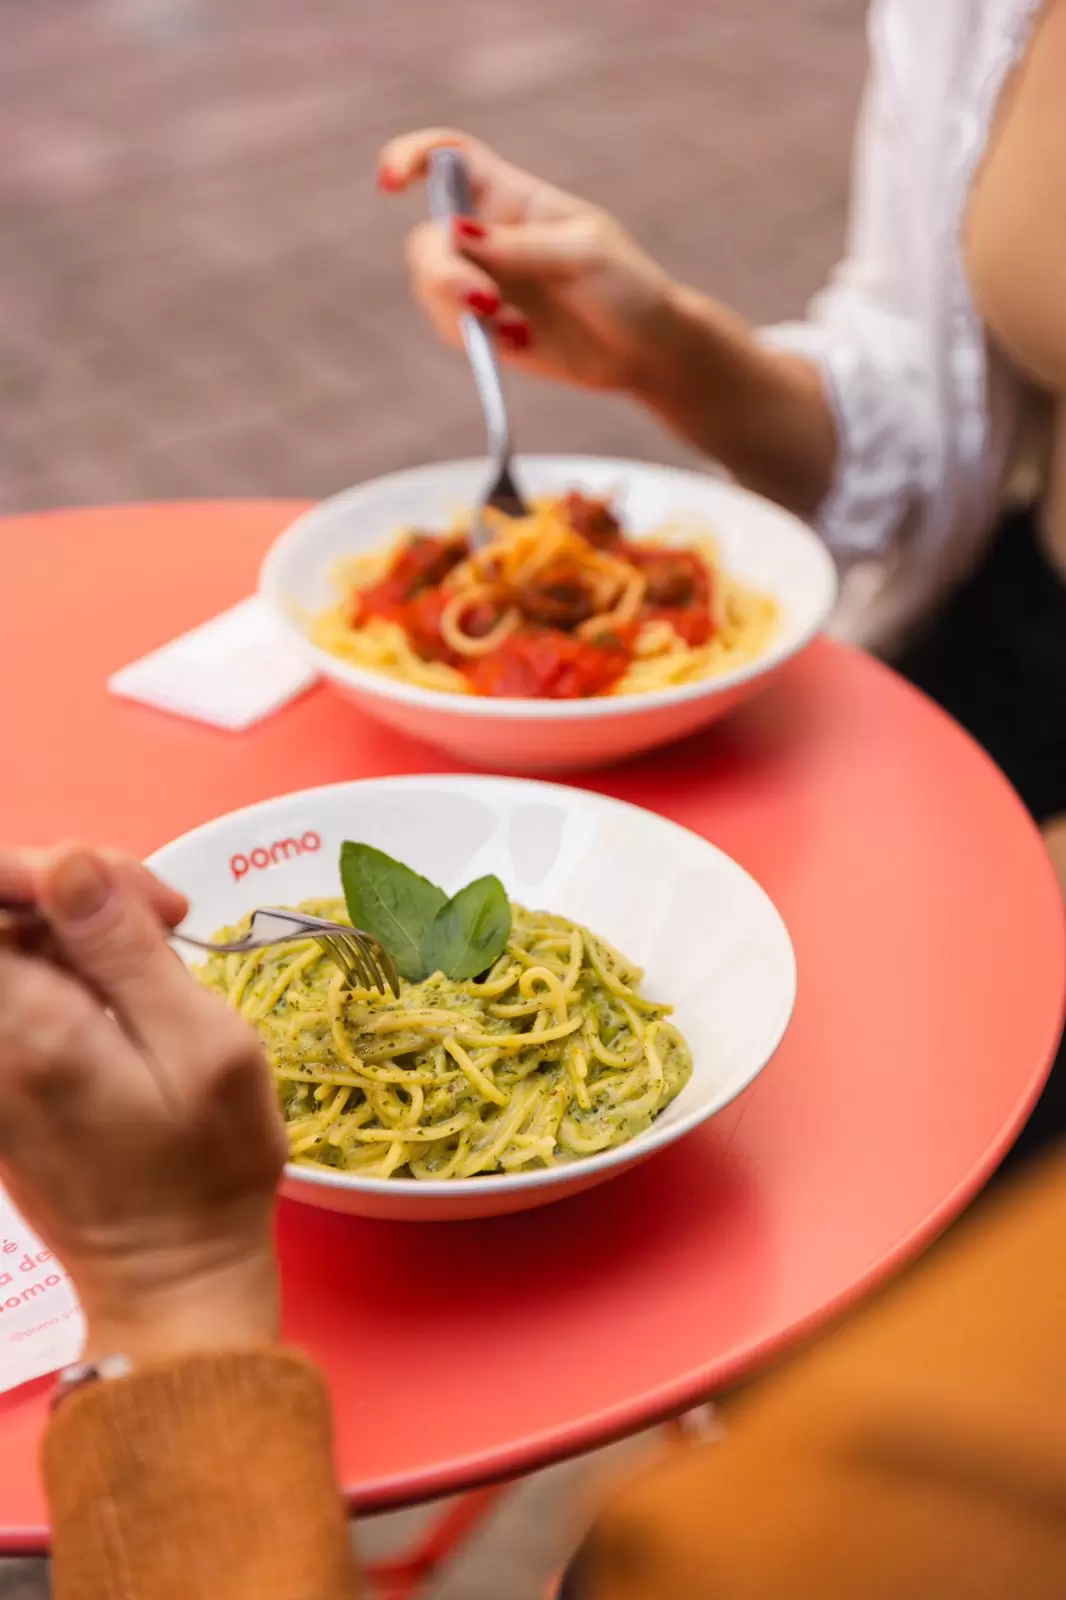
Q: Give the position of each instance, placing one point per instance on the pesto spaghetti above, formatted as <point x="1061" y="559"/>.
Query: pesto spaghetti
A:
<point x="551" y="1055"/>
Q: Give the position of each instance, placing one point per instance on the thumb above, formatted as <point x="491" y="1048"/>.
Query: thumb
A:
<point x="560" y="249"/>
<point x="113" y="939"/>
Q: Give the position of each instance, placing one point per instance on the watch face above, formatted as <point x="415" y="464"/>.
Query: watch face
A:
<point x="83" y="1372"/>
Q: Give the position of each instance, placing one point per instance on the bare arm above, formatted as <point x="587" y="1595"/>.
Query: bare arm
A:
<point x="762" y="412"/>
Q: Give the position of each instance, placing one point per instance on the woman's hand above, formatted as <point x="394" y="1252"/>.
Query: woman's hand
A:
<point x="569" y="293"/>
<point x="571" y="296"/>
<point x="139" y="1131"/>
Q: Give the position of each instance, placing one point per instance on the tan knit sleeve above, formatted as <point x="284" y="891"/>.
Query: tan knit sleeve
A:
<point x="918" y="1451"/>
<point x="205" y="1478"/>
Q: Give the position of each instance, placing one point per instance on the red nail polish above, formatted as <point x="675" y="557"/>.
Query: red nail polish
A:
<point x="388" y="180"/>
<point x="519" y="335"/>
<point x="482" y="302"/>
<point x="467" y="228"/>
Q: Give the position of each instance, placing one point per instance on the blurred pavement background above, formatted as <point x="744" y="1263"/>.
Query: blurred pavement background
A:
<point x="202" y="293"/>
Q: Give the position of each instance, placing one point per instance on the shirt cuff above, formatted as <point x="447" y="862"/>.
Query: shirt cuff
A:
<point x="875" y="486"/>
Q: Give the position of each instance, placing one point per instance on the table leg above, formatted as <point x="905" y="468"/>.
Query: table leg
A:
<point x="406" y="1576"/>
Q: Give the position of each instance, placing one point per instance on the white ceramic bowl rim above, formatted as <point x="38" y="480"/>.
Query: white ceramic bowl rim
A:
<point x="786" y="645"/>
<point x="604" y="1162"/>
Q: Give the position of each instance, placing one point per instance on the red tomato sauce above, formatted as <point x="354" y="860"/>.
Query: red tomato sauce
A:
<point x="536" y="663"/>
<point x="543" y="659"/>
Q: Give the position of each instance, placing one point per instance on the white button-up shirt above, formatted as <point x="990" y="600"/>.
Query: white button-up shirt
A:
<point x="928" y="415"/>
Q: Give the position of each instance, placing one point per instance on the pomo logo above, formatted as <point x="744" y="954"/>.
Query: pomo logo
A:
<point x="272" y="855"/>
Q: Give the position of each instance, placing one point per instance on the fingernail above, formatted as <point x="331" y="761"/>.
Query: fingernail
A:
<point x="388" y="180"/>
<point x="519" y="335"/>
<point x="482" y="302"/>
<point x="467" y="228"/>
<point x="80" y="887"/>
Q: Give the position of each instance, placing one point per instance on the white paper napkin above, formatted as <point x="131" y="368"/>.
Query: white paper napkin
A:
<point x="41" y="1326"/>
<point x="230" y="672"/>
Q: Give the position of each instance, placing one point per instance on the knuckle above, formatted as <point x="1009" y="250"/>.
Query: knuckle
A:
<point x="446" y="326"/>
<point x="437" y="301"/>
<point x="420" y="245"/>
<point x="235" y="1051"/>
<point x="431" y="137"/>
<point x="205" y="1061"/>
<point x="596" y="229"/>
<point x="56" y="1034"/>
<point x="43" y="1020"/>
<point x="127" y="867"/>
<point x="122" y="954"/>
<point x="120" y="944"/>
<point x="16" y="873"/>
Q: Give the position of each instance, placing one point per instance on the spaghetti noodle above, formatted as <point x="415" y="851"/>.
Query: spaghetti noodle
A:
<point x="559" y="605"/>
<point x="553" y="1055"/>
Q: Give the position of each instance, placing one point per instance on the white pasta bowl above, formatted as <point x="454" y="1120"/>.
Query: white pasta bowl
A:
<point x="759" y="543"/>
<point x="710" y="940"/>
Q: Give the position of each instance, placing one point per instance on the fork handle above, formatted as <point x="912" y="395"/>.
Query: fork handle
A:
<point x="451" y="194"/>
<point x="190" y="938"/>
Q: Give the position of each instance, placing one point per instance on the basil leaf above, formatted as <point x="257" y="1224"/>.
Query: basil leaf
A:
<point x="390" y="902"/>
<point x="470" y="932"/>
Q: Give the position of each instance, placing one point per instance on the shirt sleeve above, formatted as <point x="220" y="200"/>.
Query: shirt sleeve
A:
<point x="206" y="1476"/>
<point x="869" y="334"/>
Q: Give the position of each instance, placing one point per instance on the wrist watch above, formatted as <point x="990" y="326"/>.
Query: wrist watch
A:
<point x="86" y="1372"/>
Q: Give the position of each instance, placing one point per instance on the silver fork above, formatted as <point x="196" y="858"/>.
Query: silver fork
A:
<point x="451" y="195"/>
<point x="359" y="956"/>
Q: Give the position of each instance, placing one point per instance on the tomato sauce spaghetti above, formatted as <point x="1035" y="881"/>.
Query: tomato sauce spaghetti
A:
<point x="560" y="604"/>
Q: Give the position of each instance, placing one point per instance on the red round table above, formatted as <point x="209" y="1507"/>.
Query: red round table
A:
<point x="929" y="933"/>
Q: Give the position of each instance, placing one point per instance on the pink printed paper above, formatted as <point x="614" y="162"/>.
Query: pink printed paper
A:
<point x="41" y="1327"/>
